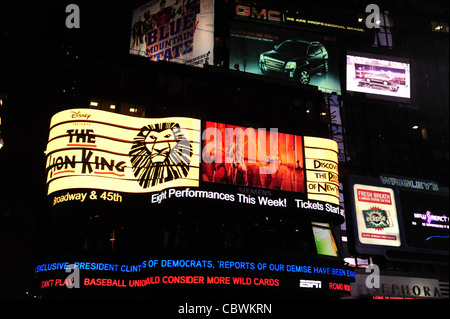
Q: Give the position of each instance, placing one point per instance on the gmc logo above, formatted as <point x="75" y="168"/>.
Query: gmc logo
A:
<point x="270" y="15"/>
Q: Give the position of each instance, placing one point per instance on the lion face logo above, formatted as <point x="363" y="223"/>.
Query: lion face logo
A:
<point x="160" y="153"/>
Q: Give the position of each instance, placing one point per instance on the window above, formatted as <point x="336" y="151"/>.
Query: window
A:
<point x="384" y="35"/>
<point x="324" y="239"/>
<point x="441" y="27"/>
<point x="312" y="50"/>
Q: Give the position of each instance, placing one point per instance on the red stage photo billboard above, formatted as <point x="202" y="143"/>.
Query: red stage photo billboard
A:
<point x="252" y="157"/>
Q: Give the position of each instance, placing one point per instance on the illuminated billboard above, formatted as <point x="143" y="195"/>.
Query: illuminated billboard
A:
<point x="90" y="148"/>
<point x="96" y="156"/>
<point x="401" y="218"/>
<point x="378" y="76"/>
<point x="272" y="160"/>
<point x="376" y="215"/>
<point x="245" y="156"/>
<point x="324" y="240"/>
<point x="304" y="58"/>
<point x="174" y="30"/>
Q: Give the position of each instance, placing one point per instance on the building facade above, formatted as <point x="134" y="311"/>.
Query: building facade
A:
<point x="373" y="87"/>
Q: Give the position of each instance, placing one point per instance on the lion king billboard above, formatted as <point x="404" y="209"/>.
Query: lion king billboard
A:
<point x="95" y="156"/>
<point x="121" y="153"/>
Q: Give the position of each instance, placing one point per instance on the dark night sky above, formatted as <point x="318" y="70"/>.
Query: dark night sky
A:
<point x="31" y="37"/>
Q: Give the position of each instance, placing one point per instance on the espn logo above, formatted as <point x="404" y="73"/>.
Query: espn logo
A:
<point x="310" y="283"/>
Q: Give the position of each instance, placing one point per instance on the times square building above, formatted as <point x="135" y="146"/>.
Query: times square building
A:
<point x="275" y="149"/>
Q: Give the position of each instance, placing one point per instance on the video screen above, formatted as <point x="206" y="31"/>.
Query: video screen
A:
<point x="303" y="57"/>
<point x="426" y="219"/>
<point x="252" y="157"/>
<point x="378" y="77"/>
<point x="323" y="237"/>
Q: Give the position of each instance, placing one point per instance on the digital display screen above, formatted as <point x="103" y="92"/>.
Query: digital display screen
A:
<point x="95" y="156"/>
<point x="252" y="157"/>
<point x="426" y="218"/>
<point x="270" y="159"/>
<point x="304" y="58"/>
<point x="386" y="77"/>
<point x="174" y="30"/>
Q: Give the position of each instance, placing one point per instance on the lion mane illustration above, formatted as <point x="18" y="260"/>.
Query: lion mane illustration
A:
<point x="160" y="153"/>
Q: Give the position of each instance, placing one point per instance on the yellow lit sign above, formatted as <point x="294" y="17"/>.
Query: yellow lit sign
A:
<point x="90" y="148"/>
<point x="321" y="164"/>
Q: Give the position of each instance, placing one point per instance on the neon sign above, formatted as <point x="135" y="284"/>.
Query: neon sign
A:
<point x="168" y="32"/>
<point x="204" y="272"/>
<point x="272" y="160"/>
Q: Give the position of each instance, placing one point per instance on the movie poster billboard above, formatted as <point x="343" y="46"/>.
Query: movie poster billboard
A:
<point x="92" y="148"/>
<point x="180" y="31"/>
<point x="402" y="218"/>
<point x="305" y="58"/>
<point x="96" y="157"/>
<point x="255" y="158"/>
<point x="386" y="77"/>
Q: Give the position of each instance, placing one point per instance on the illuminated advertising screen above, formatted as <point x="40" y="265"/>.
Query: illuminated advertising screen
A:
<point x="402" y="218"/>
<point x="304" y="58"/>
<point x="155" y="273"/>
<point x="378" y="76"/>
<point x="376" y="215"/>
<point x="271" y="160"/>
<point x="96" y="156"/>
<point x="174" y="30"/>
<point x="426" y="219"/>
<point x="89" y="148"/>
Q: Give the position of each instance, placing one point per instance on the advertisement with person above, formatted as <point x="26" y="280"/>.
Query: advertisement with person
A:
<point x="92" y="148"/>
<point x="244" y="156"/>
<point x="403" y="218"/>
<point x="303" y="57"/>
<point x="180" y="31"/>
